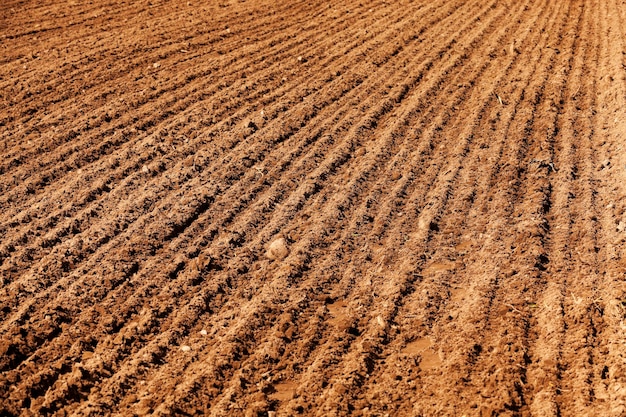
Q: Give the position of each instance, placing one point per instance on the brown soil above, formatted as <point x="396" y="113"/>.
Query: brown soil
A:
<point x="267" y="208"/>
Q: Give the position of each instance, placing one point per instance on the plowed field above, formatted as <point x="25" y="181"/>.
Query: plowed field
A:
<point x="262" y="208"/>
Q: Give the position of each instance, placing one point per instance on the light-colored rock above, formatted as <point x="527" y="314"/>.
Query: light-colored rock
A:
<point x="278" y="249"/>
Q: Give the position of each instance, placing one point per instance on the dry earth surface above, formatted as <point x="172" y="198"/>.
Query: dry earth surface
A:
<point x="266" y="208"/>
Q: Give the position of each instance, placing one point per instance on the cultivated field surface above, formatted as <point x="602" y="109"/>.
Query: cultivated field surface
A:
<point x="280" y="208"/>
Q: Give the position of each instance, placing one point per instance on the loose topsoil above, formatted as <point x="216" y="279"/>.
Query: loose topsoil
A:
<point x="279" y="208"/>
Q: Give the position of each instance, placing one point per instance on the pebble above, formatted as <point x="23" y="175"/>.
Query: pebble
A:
<point x="203" y="332"/>
<point x="185" y="348"/>
<point x="278" y="249"/>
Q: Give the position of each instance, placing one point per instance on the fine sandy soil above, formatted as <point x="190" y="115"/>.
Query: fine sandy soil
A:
<point x="266" y="208"/>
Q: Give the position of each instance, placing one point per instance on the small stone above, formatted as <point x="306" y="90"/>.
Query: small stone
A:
<point x="289" y="333"/>
<point x="185" y="348"/>
<point x="278" y="249"/>
<point x="424" y="224"/>
<point x="156" y="65"/>
<point x="203" y="332"/>
<point x="145" y="169"/>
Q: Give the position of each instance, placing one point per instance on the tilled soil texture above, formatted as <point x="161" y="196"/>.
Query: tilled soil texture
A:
<point x="266" y="208"/>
